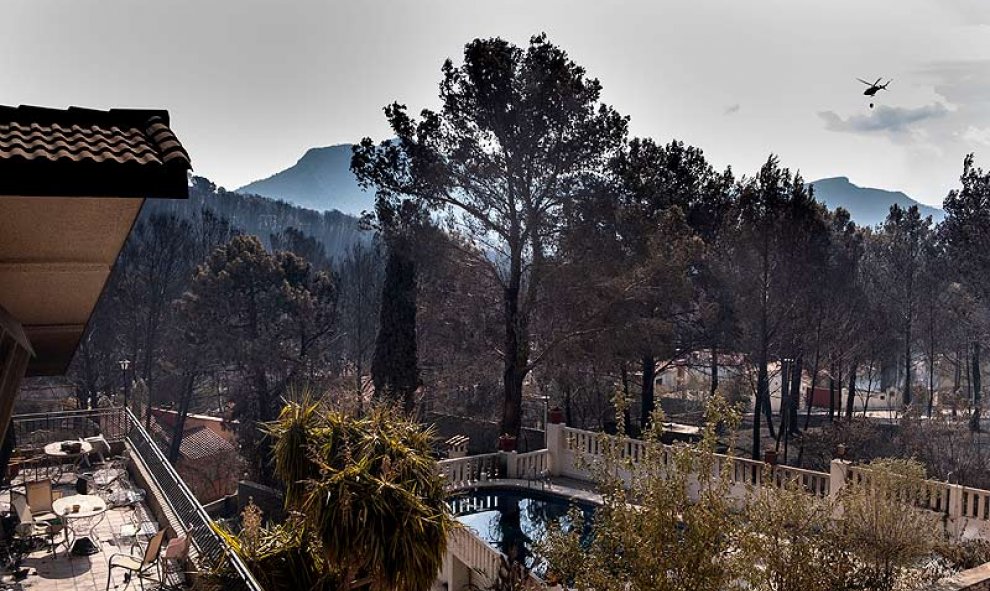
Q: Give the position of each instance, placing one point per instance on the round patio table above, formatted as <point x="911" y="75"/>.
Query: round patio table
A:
<point x="54" y="451"/>
<point x="81" y="522"/>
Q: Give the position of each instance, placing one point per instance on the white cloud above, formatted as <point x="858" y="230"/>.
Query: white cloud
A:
<point x="977" y="135"/>
<point x="896" y="122"/>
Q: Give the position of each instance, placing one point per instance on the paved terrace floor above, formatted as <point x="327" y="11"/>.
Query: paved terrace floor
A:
<point x="67" y="572"/>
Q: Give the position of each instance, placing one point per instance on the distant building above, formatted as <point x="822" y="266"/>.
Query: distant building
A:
<point x="208" y="458"/>
<point x="219" y="425"/>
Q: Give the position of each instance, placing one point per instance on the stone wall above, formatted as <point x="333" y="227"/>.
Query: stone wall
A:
<point x="974" y="579"/>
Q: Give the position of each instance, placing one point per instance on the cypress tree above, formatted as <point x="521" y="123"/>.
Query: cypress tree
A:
<point x="394" y="366"/>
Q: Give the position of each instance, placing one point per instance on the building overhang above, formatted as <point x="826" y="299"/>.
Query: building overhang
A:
<point x="72" y="183"/>
<point x="56" y="254"/>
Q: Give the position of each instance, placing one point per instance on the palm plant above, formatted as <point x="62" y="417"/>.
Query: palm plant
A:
<point x="282" y="556"/>
<point x="364" y="490"/>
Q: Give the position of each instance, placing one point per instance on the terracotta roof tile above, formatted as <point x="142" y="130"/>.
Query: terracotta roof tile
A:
<point x="203" y="443"/>
<point x="136" y="149"/>
<point x="197" y="443"/>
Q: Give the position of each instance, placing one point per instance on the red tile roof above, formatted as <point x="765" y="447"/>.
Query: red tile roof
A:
<point x="121" y="152"/>
<point x="203" y="443"/>
<point x="197" y="443"/>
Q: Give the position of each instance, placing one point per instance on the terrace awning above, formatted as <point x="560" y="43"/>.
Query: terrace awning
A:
<point x="72" y="183"/>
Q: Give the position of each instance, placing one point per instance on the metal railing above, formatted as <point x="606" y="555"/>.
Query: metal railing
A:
<point x="32" y="431"/>
<point x="116" y="425"/>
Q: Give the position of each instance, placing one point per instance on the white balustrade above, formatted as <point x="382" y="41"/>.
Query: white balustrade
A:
<point x="572" y="452"/>
<point x="475" y="553"/>
<point x="467" y="471"/>
<point x="531" y="465"/>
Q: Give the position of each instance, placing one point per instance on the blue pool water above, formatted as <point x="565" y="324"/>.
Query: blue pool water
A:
<point x="513" y="521"/>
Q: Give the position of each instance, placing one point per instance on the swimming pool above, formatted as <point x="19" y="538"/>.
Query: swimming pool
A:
<point x="514" y="520"/>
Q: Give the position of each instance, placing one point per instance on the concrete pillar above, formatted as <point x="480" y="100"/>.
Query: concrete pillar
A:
<point x="555" y="447"/>
<point x="838" y="472"/>
<point x="508" y="459"/>
<point x="957" y="523"/>
<point x="457" y="446"/>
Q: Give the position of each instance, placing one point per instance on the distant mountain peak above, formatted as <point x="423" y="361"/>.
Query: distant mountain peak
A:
<point x="868" y="206"/>
<point x="321" y="179"/>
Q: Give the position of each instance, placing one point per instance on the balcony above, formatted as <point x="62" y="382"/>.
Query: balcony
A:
<point x="167" y="503"/>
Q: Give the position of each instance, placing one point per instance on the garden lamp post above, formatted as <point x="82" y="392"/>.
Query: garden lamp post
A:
<point x="124" y="364"/>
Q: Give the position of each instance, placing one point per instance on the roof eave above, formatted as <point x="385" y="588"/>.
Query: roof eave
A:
<point x="45" y="178"/>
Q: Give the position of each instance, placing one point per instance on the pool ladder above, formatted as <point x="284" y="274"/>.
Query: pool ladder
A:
<point x="542" y="477"/>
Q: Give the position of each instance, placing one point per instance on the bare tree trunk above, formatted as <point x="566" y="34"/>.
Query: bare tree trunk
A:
<point x="794" y="402"/>
<point x="931" y="355"/>
<point x="969" y="378"/>
<point x="907" y="361"/>
<point x="956" y="381"/>
<point x="714" y="370"/>
<point x="179" y="428"/>
<point x="762" y="402"/>
<point x="647" y="402"/>
<point x="785" y="401"/>
<point x="974" y="421"/>
<point x="838" y="389"/>
<point x="568" y="418"/>
<point x="761" y="384"/>
<point x="515" y="360"/>
<point x="851" y="395"/>
<point x="626" y="412"/>
<point x="814" y="380"/>
<point x="150" y="392"/>
<point x="831" y="391"/>
<point x="931" y="383"/>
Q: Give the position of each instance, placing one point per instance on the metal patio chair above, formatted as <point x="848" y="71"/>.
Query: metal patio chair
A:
<point x="139" y="566"/>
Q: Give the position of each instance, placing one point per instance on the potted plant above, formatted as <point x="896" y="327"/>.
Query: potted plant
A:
<point x="507" y="442"/>
<point x="555" y="415"/>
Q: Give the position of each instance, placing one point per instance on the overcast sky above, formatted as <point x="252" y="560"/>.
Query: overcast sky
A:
<point x="251" y="85"/>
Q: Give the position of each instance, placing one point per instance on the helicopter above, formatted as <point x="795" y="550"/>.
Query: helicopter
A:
<point x="874" y="87"/>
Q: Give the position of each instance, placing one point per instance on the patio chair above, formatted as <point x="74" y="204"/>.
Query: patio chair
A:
<point x="101" y="449"/>
<point x="27" y="466"/>
<point x="40" y="497"/>
<point x="177" y="552"/>
<point x="138" y="526"/>
<point x="121" y="462"/>
<point x="105" y="479"/>
<point x="139" y="566"/>
<point x="28" y="528"/>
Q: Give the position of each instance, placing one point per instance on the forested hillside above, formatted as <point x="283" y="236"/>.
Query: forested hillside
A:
<point x="170" y="327"/>
<point x="262" y="216"/>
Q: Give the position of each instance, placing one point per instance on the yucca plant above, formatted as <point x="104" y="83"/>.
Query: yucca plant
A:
<point x="283" y="556"/>
<point x="365" y="491"/>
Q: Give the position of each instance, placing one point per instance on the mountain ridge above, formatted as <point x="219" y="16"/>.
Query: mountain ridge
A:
<point x="868" y="206"/>
<point x="264" y="216"/>
<point x="321" y="179"/>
